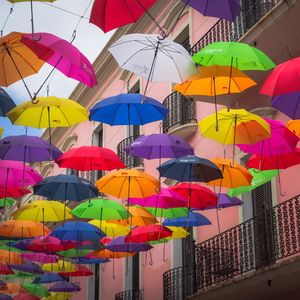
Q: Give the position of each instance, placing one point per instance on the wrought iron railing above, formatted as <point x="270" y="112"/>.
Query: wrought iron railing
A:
<point x="226" y="31"/>
<point x="130" y="295"/>
<point x="182" y="111"/>
<point x="256" y="243"/>
<point x="129" y="160"/>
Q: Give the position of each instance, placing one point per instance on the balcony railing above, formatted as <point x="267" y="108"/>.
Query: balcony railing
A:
<point x="256" y="243"/>
<point x="130" y="295"/>
<point x="226" y="31"/>
<point x="182" y="111"/>
<point x="129" y="160"/>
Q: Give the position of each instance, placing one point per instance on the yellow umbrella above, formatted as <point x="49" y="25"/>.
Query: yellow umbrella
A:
<point x="1" y="131"/>
<point x="43" y="211"/>
<point x="60" y="266"/>
<point x="177" y="232"/>
<point x="58" y="296"/>
<point x="110" y="229"/>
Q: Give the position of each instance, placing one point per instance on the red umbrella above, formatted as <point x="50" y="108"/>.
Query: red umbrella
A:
<point x="13" y="192"/>
<point x="81" y="271"/>
<point x="200" y="197"/>
<point x="152" y="232"/>
<point x="111" y="14"/>
<point x="5" y="269"/>
<point x="285" y="78"/>
<point x="25" y="296"/>
<point x="89" y="158"/>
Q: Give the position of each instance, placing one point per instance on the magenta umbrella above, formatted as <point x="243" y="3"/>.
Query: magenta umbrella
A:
<point x="40" y="257"/>
<point x="282" y="140"/>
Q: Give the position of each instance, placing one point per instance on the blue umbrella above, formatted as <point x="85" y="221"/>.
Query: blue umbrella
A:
<point x="48" y="278"/>
<point x="65" y="187"/>
<point x="27" y="267"/>
<point x="190" y="168"/>
<point x="64" y="286"/>
<point x="89" y="261"/>
<point x="193" y="219"/>
<point x="6" y="103"/>
<point x="77" y="231"/>
<point x="128" y="109"/>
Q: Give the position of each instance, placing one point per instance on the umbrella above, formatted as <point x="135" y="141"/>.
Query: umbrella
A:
<point x="177" y="233"/>
<point x="12" y="289"/>
<point x="294" y="126"/>
<point x="79" y="271"/>
<point x="9" y="202"/>
<point x="59" y="296"/>
<point x="176" y="212"/>
<point x="106" y="254"/>
<point x="234" y="174"/>
<point x="36" y="289"/>
<point x="239" y="55"/>
<point x="20" y="244"/>
<point x="1" y="131"/>
<point x="4" y="268"/>
<point x="119" y="244"/>
<point x="153" y="58"/>
<point x="90" y="261"/>
<point x="282" y="140"/>
<point x="190" y="168"/>
<point x="60" y="266"/>
<point x="43" y="211"/>
<point x="108" y="15"/>
<point x="14" y="192"/>
<point x="225" y="201"/>
<point x="128" y="109"/>
<point x="5" y="297"/>
<point x="2" y="284"/>
<point x="39" y="257"/>
<point x="101" y="209"/>
<point x="48" y="278"/>
<point x="63" y="56"/>
<point x="159" y="146"/>
<point x="65" y="187"/>
<point x="75" y="253"/>
<point x="200" y="197"/>
<point x="6" y="103"/>
<point x="27" y="148"/>
<point x="110" y="229"/>
<point x="288" y="104"/>
<point x="88" y="158"/>
<point x="193" y="219"/>
<point x="225" y="9"/>
<point x="9" y="257"/>
<point x="27" y="267"/>
<point x="128" y="183"/>
<point x="25" y="296"/>
<point x="64" y="286"/>
<point x="284" y="79"/>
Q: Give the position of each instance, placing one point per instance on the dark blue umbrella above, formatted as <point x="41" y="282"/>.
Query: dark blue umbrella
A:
<point x="193" y="219"/>
<point x="89" y="261"/>
<point x="5" y="297"/>
<point x="2" y="284"/>
<point x="77" y="231"/>
<point x="128" y="109"/>
<point x="64" y="286"/>
<point x="65" y="187"/>
<point x="6" y="103"/>
<point x="48" y="278"/>
<point x="22" y="244"/>
<point x="190" y="169"/>
<point x="27" y="267"/>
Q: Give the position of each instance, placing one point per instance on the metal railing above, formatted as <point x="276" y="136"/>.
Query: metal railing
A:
<point x="182" y="110"/>
<point x="129" y="160"/>
<point x="256" y="243"/>
<point x="130" y="295"/>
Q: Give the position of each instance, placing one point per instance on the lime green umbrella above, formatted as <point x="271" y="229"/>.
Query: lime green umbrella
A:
<point x="100" y="209"/>
<point x="74" y="253"/>
<point x="239" y="55"/>
<point x="259" y="178"/>
<point x="8" y="202"/>
<point x="170" y="213"/>
<point x="36" y="290"/>
<point x="18" y="275"/>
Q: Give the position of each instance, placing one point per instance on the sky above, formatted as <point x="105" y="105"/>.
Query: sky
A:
<point x="89" y="40"/>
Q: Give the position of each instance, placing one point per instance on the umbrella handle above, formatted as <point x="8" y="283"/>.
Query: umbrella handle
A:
<point x="146" y="260"/>
<point x="150" y="258"/>
<point x="34" y="100"/>
<point x="165" y="259"/>
<point x="34" y="38"/>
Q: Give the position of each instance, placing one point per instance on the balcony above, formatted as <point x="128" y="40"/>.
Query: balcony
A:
<point x="130" y="295"/>
<point x="181" y="119"/>
<point x="266" y="246"/>
<point x="129" y="160"/>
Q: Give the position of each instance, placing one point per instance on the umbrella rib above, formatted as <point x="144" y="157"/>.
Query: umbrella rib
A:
<point x="139" y="186"/>
<point x="60" y="108"/>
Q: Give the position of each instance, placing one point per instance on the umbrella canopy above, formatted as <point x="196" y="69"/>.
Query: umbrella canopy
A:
<point x="79" y="271"/>
<point x="128" y="109"/>
<point x="101" y="209"/>
<point x="239" y="55"/>
<point x="108" y="15"/>
<point x="74" y="253"/>
<point x="43" y="211"/>
<point x="8" y="202"/>
<point x="6" y="103"/>
<point x="193" y="219"/>
<point x="177" y="233"/>
<point x="27" y="267"/>
<point x="150" y="57"/>
<point x="39" y="257"/>
<point x="108" y="254"/>
<point x="63" y="56"/>
<point x="294" y="126"/>
<point x="282" y="140"/>
<point x="288" y="104"/>
<point x="2" y="283"/>
<point x="27" y="148"/>
<point x="1" y="131"/>
<point x="119" y="244"/>
<point x="224" y="9"/>
<point x="190" y="168"/>
<point x="14" y="192"/>
<point x="58" y="296"/>
<point x="225" y="201"/>
<point x="60" y="266"/>
<point x="8" y="257"/>
<point x="16" y="59"/>
<point x="128" y="183"/>
<point x="284" y="79"/>
<point x="37" y="290"/>
<point x="176" y="212"/>
<point x="5" y="297"/>
<point x="159" y="146"/>
<point x="65" y="187"/>
<point x="22" y="229"/>
<point x="25" y="296"/>
<point x="198" y="196"/>
<point x="64" y="286"/>
<point x="12" y="289"/>
<point x="4" y="268"/>
<point x="110" y="229"/>
<point x="90" y="261"/>
<point x="87" y="158"/>
<point x="48" y="278"/>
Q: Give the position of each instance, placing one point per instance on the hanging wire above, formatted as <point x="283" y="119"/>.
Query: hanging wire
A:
<point x="7" y="18"/>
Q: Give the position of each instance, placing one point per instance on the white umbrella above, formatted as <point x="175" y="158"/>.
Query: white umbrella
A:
<point x="153" y="58"/>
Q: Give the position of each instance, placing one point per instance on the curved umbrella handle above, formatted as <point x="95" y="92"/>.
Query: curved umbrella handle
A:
<point x="34" y="100"/>
<point x="165" y="259"/>
<point x="34" y="38"/>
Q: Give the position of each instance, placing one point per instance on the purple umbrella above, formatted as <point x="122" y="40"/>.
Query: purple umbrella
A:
<point x="27" y="148"/>
<point x="226" y="201"/>
<point x="282" y="141"/>
<point x="224" y="9"/>
<point x="5" y="297"/>
<point x="160" y="146"/>
<point x="64" y="286"/>
<point x="289" y="104"/>
<point x="119" y="245"/>
<point x="40" y="257"/>
<point x="2" y="284"/>
<point x="27" y="267"/>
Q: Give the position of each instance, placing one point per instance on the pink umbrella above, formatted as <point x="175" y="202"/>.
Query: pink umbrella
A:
<point x="40" y="257"/>
<point x="282" y="140"/>
<point x="63" y="56"/>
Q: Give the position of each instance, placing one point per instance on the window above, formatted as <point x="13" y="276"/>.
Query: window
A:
<point x="184" y="38"/>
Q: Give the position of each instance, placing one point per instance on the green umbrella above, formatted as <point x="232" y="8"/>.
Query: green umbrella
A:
<point x="100" y="209"/>
<point x="259" y="178"/>
<point x="74" y="253"/>
<point x="18" y="275"/>
<point x="36" y="290"/>
<point x="239" y="55"/>
<point x="168" y="212"/>
<point x="8" y="202"/>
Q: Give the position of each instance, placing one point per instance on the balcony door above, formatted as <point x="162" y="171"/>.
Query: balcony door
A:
<point x="133" y="130"/>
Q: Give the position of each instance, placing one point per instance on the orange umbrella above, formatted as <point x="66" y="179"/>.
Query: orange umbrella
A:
<point x="22" y="229"/>
<point x="106" y="254"/>
<point x="294" y="126"/>
<point x="12" y="289"/>
<point x="9" y="257"/>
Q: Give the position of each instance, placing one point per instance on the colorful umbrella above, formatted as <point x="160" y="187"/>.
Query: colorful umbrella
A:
<point x="64" y="286"/>
<point x="36" y="289"/>
<point x="4" y="268"/>
<point x="6" y="103"/>
<point x="120" y="245"/>
<point x="7" y="202"/>
<point x="8" y="257"/>
<point x="12" y="289"/>
<point x="88" y="158"/>
<point x="74" y="253"/>
<point x="60" y="266"/>
<point x="79" y="271"/>
<point x="1" y="131"/>
<point x="48" y="278"/>
<point x="14" y="192"/>
<point x="128" y="109"/>
<point x="110" y="229"/>
<point x="90" y="261"/>
<point x="59" y="296"/>
<point x="27" y="267"/>
<point x="106" y="254"/>
<point x="176" y="212"/>
<point x="177" y="233"/>
<point x="193" y="219"/>
<point x="5" y="297"/>
<point x="2" y="284"/>
<point x="159" y="146"/>
<point x="294" y="126"/>
<point x="39" y="257"/>
<point x="25" y="296"/>
<point x="225" y="201"/>
<point x="288" y="104"/>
